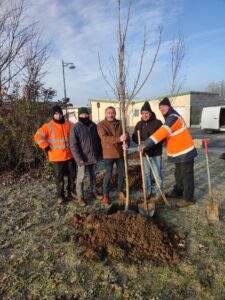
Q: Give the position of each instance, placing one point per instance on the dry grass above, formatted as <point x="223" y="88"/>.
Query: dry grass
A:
<point x="39" y="259"/>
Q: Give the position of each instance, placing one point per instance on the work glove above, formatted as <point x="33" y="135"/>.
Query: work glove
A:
<point x="148" y="144"/>
<point x="141" y="148"/>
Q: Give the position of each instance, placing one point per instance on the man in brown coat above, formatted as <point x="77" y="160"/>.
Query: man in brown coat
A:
<point x="110" y="133"/>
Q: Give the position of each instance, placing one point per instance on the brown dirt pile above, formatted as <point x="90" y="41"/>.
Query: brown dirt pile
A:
<point x="135" y="182"/>
<point x="120" y="236"/>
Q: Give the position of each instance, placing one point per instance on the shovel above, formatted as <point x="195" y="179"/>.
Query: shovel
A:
<point x="157" y="182"/>
<point x="146" y="209"/>
<point x="212" y="208"/>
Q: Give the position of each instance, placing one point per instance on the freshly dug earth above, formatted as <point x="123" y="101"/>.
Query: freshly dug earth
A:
<point x="135" y="238"/>
<point x="135" y="181"/>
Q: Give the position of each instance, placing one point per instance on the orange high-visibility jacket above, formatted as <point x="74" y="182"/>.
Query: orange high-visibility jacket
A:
<point x="179" y="143"/>
<point x="56" y="136"/>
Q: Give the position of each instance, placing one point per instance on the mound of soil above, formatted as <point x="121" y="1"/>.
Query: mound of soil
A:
<point x="135" y="181"/>
<point x="135" y="238"/>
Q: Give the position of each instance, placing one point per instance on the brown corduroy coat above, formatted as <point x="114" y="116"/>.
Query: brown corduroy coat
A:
<point x="109" y="133"/>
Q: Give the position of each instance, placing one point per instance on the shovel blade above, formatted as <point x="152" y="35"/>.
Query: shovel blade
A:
<point x="149" y="212"/>
<point x="213" y="212"/>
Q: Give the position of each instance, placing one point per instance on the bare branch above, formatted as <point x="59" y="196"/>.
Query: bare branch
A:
<point x="104" y="76"/>
<point x="127" y="22"/>
<point x="177" y="49"/>
<point x="135" y="92"/>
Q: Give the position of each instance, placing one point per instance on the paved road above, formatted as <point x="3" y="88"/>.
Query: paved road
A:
<point x="216" y="140"/>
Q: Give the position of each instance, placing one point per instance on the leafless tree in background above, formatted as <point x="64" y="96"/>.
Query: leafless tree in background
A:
<point x="36" y="54"/>
<point x="217" y="87"/>
<point x="117" y="79"/>
<point x="22" y="52"/>
<point x="14" y="35"/>
<point x="177" y="51"/>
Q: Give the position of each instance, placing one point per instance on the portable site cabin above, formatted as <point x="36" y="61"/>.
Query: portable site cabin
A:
<point x="213" y="118"/>
<point x="189" y="105"/>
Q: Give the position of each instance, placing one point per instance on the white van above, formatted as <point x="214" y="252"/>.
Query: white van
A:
<point x="213" y="118"/>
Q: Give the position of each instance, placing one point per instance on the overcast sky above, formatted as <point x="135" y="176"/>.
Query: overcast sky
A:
<point x="80" y="29"/>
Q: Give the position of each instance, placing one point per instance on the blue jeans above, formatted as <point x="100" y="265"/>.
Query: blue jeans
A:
<point x="108" y="174"/>
<point x="156" y="162"/>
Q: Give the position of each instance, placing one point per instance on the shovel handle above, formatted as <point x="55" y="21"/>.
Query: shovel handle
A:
<point x="142" y="171"/>
<point x="156" y="180"/>
<point x="205" y="141"/>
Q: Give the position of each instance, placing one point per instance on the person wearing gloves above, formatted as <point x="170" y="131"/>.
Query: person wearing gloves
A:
<point x="147" y="126"/>
<point x="53" y="137"/>
<point x="180" y="151"/>
<point x="86" y="149"/>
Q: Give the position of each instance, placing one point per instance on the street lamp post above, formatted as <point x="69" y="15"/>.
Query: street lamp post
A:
<point x="71" y="66"/>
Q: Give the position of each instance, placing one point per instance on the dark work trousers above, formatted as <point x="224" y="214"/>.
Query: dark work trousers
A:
<point x="184" y="176"/>
<point x="61" y="169"/>
<point x="108" y="174"/>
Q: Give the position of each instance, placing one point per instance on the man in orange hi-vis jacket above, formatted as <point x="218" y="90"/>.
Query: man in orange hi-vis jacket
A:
<point x="180" y="150"/>
<point x="53" y="137"/>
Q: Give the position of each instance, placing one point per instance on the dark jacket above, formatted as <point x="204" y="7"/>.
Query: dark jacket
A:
<point x="109" y="133"/>
<point x="147" y="128"/>
<point x="85" y="143"/>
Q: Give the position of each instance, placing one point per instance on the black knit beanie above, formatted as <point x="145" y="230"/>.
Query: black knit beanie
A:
<point x="83" y="110"/>
<point x="57" y="109"/>
<point x="165" y="101"/>
<point x="146" y="107"/>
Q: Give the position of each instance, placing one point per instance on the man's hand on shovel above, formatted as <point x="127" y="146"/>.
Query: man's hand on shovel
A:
<point x="141" y="147"/>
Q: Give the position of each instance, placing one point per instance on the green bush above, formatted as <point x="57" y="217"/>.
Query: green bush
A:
<point x="19" y="121"/>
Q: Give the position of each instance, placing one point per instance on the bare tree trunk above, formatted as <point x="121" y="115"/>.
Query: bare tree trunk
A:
<point x="122" y="97"/>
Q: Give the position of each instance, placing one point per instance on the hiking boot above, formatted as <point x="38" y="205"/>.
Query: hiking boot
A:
<point x="173" y="194"/>
<point x="96" y="196"/>
<point x="122" y="196"/>
<point x="105" y="200"/>
<point x="183" y="203"/>
<point x="81" y="201"/>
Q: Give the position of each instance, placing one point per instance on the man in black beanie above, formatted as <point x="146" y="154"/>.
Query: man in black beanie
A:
<point x="53" y="137"/>
<point x="147" y="126"/>
<point x="165" y="101"/>
<point x="86" y="148"/>
<point x="180" y="150"/>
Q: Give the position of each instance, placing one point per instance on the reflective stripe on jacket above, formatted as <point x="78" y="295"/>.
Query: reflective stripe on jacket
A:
<point x="179" y="143"/>
<point x="56" y="137"/>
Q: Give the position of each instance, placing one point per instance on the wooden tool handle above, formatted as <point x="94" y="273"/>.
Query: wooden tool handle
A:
<point x="142" y="169"/>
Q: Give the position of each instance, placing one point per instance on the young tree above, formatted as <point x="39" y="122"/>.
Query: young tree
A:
<point x="118" y="77"/>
